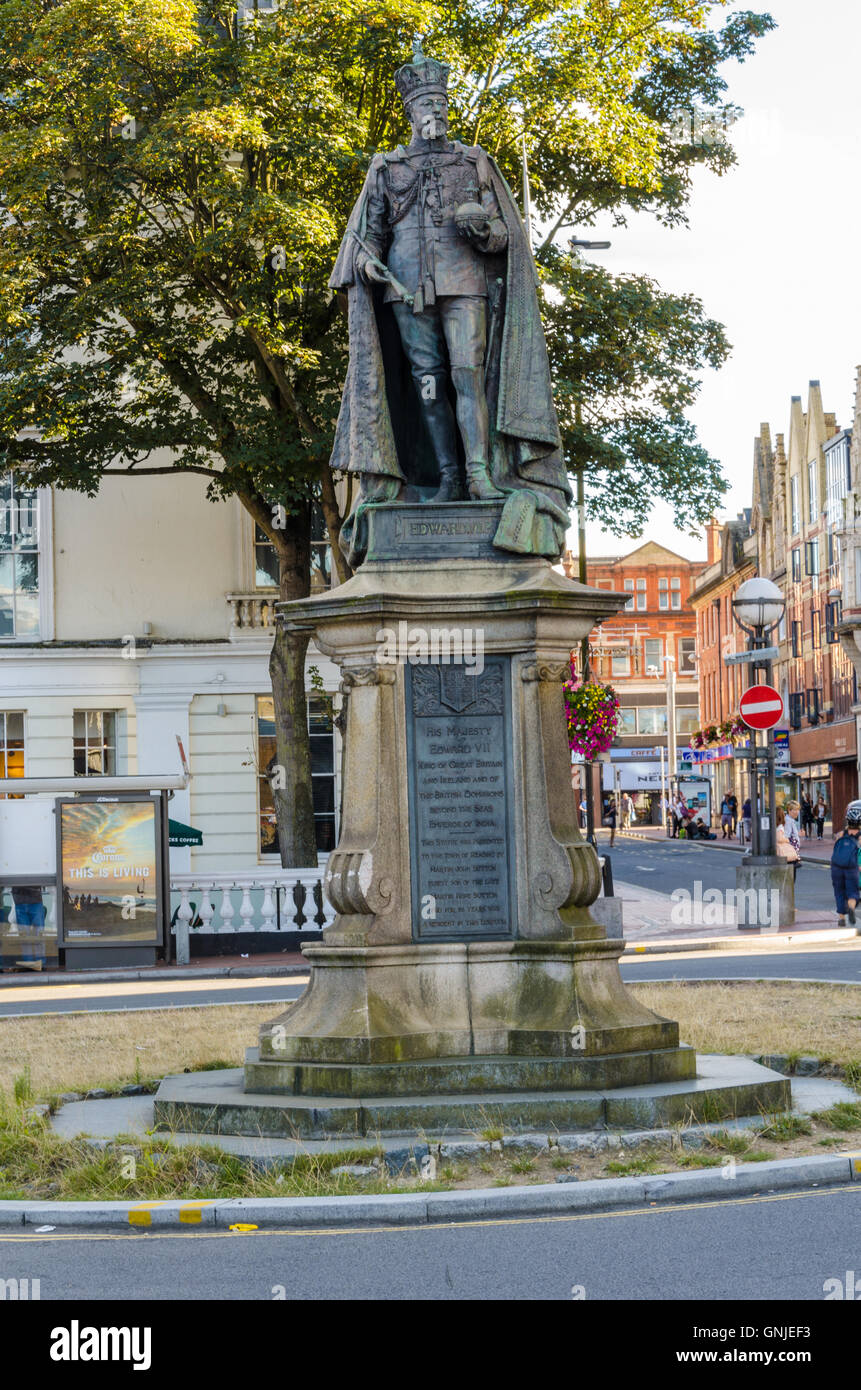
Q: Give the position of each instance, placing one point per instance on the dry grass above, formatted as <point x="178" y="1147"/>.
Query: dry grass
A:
<point x="77" y="1052"/>
<point x="753" y="1016"/>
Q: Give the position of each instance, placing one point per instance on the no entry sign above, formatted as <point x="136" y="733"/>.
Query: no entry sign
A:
<point x="761" y="707"/>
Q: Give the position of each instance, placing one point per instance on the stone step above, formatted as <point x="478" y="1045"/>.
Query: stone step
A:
<point x="217" y="1103"/>
<point x="466" y="1075"/>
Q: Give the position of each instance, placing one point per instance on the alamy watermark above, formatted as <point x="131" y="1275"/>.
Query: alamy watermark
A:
<point x="731" y="907"/>
<point x="432" y="646"/>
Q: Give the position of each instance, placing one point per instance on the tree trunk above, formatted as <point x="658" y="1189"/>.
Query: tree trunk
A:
<point x="291" y="783"/>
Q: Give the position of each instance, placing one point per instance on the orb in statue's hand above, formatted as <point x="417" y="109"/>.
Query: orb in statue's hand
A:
<point x="471" y="217"/>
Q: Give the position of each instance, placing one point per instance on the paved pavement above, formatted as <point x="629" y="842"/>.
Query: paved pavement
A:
<point x="784" y="1246"/>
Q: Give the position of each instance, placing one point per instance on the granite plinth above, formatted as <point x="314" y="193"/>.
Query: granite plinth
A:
<point x="466" y="1075"/>
<point x="461" y="882"/>
<point x="396" y="1004"/>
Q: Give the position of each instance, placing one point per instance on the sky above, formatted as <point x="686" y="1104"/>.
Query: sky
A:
<point x="773" y="247"/>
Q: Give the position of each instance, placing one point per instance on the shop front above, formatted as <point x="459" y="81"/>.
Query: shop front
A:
<point x="825" y="759"/>
<point x="641" y="773"/>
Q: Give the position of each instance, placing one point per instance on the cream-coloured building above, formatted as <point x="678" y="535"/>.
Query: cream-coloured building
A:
<point x="141" y="615"/>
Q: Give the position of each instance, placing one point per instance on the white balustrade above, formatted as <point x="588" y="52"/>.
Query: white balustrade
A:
<point x="263" y="897"/>
<point x="252" y="615"/>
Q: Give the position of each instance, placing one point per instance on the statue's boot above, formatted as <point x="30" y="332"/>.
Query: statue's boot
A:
<point x="442" y="431"/>
<point x="450" y="489"/>
<point x="481" y="489"/>
<point x="472" y="417"/>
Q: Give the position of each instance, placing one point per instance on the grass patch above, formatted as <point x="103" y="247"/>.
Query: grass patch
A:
<point x="783" y="1127"/>
<point x="628" y="1167"/>
<point x="845" y="1115"/>
<point x="82" y="1052"/>
<point x="760" y="1016"/>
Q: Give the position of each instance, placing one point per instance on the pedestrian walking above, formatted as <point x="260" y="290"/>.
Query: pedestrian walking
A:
<point x="726" y="819"/>
<point x="609" y="818"/>
<point x="806" y="815"/>
<point x="844" y="867"/>
<point x="820" y="813"/>
<point x="627" y="810"/>
<point x="733" y="805"/>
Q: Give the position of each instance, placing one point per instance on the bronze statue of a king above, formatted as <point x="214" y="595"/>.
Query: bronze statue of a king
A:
<point x="448" y="393"/>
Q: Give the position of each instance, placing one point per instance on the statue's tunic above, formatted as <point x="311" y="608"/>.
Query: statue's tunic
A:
<point x="412" y="198"/>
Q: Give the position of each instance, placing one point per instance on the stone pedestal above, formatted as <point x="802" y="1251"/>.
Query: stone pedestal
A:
<point x="764" y="893"/>
<point x="461" y="881"/>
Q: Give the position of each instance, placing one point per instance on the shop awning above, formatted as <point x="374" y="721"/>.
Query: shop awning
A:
<point x="181" y="835"/>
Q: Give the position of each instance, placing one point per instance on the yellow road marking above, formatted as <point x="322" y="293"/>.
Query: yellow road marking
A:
<point x="654" y="1209"/>
<point x="140" y="1216"/>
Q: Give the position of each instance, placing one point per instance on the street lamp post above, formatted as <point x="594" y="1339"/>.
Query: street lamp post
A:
<point x="758" y="607"/>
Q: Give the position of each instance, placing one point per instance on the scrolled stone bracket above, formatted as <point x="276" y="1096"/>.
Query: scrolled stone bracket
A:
<point x="351" y="888"/>
<point x="367" y="675"/>
<point x="550" y="671"/>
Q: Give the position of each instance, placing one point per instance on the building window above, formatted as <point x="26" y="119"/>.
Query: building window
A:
<point x="687" y="655"/>
<point x="19" y="560"/>
<point x="812" y="499"/>
<point x="265" y="561"/>
<point x="832" y="618"/>
<point x="627" y="721"/>
<point x="796" y="638"/>
<point x="796" y="709"/>
<point x="629" y="585"/>
<point x="651" y="719"/>
<point x="687" y="720"/>
<point x="811" y="557"/>
<point x="796" y="566"/>
<point x="813" y="706"/>
<point x="654" y="654"/>
<point x="95" y="742"/>
<point x="815" y="627"/>
<point x="675" y="592"/>
<point x="663" y="594"/>
<point x="641" y="595"/>
<point x="322" y="739"/>
<point x="266" y="567"/>
<point x="620" y="662"/>
<point x="794" y="510"/>
<point x="11" y="744"/>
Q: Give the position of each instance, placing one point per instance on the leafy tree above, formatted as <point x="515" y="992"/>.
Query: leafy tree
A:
<point x="626" y="359"/>
<point x="174" y="182"/>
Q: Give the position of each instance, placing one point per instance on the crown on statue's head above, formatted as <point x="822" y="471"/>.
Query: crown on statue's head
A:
<point x="421" y="76"/>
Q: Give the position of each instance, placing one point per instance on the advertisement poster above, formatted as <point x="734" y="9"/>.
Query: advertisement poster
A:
<point x="108" y="859"/>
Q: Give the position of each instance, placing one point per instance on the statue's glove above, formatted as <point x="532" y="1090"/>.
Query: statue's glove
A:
<point x="473" y="223"/>
<point x="367" y="271"/>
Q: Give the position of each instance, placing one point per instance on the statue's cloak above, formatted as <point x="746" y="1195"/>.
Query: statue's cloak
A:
<point x="380" y="434"/>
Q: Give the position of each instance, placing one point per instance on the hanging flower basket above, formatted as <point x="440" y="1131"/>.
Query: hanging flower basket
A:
<point x="732" y="730"/>
<point x="593" y="716"/>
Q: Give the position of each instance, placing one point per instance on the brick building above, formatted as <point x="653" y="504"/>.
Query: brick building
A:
<point x="632" y="652"/>
<point x="817" y="677"/>
<point x="731" y="560"/>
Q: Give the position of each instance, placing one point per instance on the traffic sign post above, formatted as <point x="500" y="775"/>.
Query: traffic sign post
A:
<point x="761" y="707"/>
